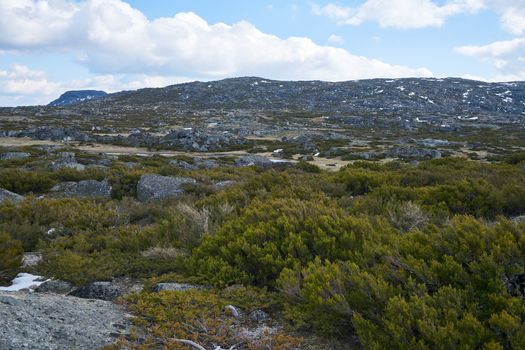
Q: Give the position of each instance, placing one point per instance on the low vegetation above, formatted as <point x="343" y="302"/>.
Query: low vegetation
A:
<point x="393" y="255"/>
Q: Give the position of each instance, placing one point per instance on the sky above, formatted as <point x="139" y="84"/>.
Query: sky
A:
<point x="50" y="46"/>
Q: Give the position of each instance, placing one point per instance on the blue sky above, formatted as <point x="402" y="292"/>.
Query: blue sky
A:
<point x="49" y="46"/>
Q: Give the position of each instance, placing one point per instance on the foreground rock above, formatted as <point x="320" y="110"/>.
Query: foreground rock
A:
<point x="156" y="187"/>
<point x="6" y="195"/>
<point x="86" y="188"/>
<point x="52" y="322"/>
<point x="98" y="290"/>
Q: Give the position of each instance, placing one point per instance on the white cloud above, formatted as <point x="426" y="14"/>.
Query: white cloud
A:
<point x="398" y="13"/>
<point x="336" y="39"/>
<point x="21" y="85"/>
<point x="507" y="57"/>
<point x="512" y="14"/>
<point x="423" y="13"/>
<point x="111" y="37"/>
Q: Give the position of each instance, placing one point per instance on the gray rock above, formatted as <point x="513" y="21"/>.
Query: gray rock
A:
<point x="6" y="195"/>
<point x="31" y="259"/>
<point x="67" y="160"/>
<point x="519" y="219"/>
<point x="183" y="164"/>
<point x="85" y="188"/>
<point x="155" y="187"/>
<point x="7" y="300"/>
<point x="93" y="188"/>
<point x="55" y="287"/>
<point x="253" y="159"/>
<point x="39" y="321"/>
<point x="223" y="184"/>
<point x="98" y="290"/>
<point x="174" y="287"/>
<point x="259" y="315"/>
<point x="14" y="155"/>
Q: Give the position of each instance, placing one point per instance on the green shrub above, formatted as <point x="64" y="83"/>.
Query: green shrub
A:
<point x="11" y="254"/>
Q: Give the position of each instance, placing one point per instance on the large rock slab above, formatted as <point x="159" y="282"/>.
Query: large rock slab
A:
<point x="155" y="187"/>
<point x="51" y="322"/>
<point x="6" y="195"/>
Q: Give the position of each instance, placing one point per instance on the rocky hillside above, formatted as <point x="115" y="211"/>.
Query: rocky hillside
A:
<point x="451" y="96"/>
<point x="73" y="97"/>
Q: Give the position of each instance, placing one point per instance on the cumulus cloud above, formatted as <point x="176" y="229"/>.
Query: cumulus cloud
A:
<point x="506" y="56"/>
<point x="423" y="13"/>
<point x="21" y="85"/>
<point x="111" y="37"/>
<point x="399" y="13"/>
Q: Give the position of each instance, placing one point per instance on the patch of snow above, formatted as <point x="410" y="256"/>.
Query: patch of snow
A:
<point x="23" y="281"/>
<point x="507" y="100"/>
<point x="389" y="81"/>
<point x="503" y="94"/>
<point x="279" y="161"/>
<point x="427" y="99"/>
<point x="401" y="88"/>
<point x="379" y="91"/>
<point x="412" y="94"/>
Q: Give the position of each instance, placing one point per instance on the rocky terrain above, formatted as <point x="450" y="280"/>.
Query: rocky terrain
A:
<point x="185" y="206"/>
<point x="51" y="321"/>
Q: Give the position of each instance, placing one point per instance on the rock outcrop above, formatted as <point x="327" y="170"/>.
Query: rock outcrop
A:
<point x="253" y="159"/>
<point x="40" y="321"/>
<point x="14" y="155"/>
<point x="98" y="290"/>
<point x="85" y="188"/>
<point x="6" y="195"/>
<point x="155" y="187"/>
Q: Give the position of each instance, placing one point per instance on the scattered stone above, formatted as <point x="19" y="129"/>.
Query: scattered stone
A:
<point x="85" y="188"/>
<point x="155" y="187"/>
<point x="14" y="155"/>
<point x="31" y="259"/>
<point x="259" y="316"/>
<point x="67" y="160"/>
<point x="233" y="311"/>
<point x="98" y="290"/>
<point x="223" y="184"/>
<point x="174" y="287"/>
<point x="6" y="195"/>
<point x="55" y="287"/>
<point x="253" y="159"/>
